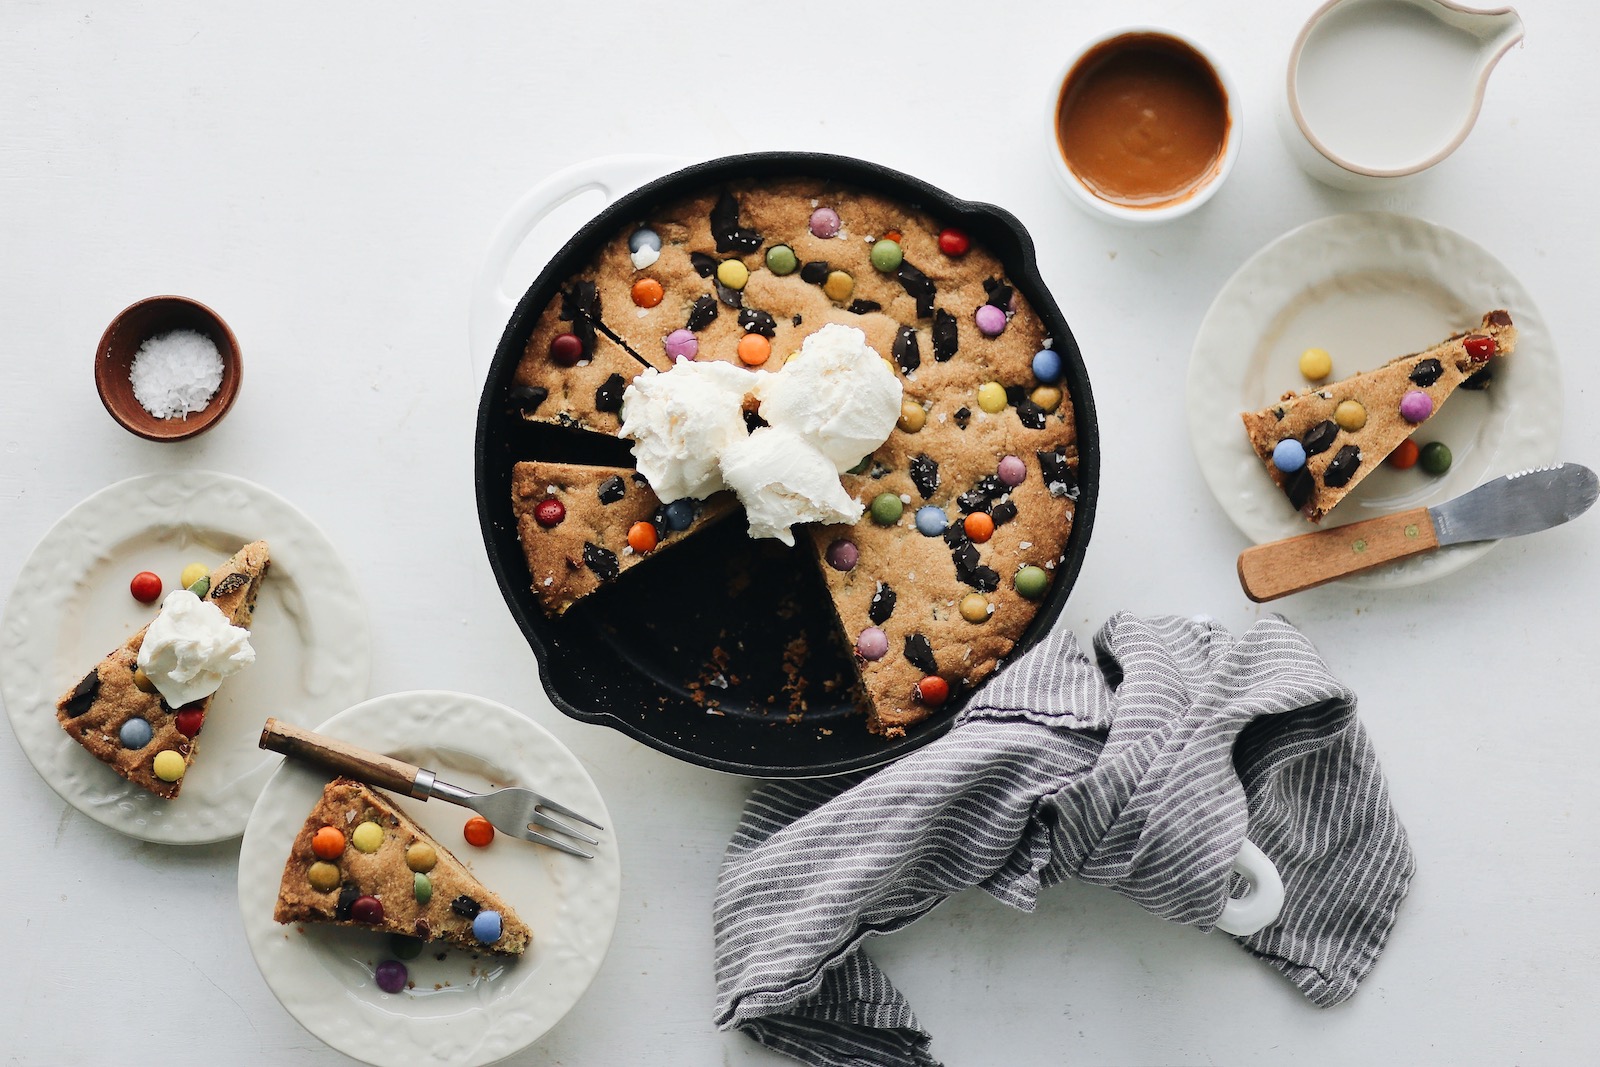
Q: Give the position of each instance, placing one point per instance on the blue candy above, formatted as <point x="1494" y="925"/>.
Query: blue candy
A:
<point x="644" y="238"/>
<point x="1047" y="365"/>
<point x="930" y="521"/>
<point x="486" y="926"/>
<point x="135" y="733"/>
<point x="680" y="513"/>
<point x="1289" y="455"/>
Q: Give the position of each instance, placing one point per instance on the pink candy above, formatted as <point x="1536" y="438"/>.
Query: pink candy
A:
<point x="1416" y="406"/>
<point x="991" y="320"/>
<point x="1012" y="470"/>
<point x="681" y="344"/>
<point x="824" y="222"/>
<point x="873" y="644"/>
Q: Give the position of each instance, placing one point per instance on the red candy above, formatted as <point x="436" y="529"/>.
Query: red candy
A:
<point x="478" y="831"/>
<point x="566" y="349"/>
<point x="953" y="242"/>
<point x="145" y="587"/>
<point x="367" y="910"/>
<point x="549" y="513"/>
<point x="933" y="690"/>
<point x="190" y="720"/>
<point x="1480" y="348"/>
<point x="1404" y="457"/>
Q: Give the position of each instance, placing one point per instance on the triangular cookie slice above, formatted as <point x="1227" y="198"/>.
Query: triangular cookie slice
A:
<point x="1331" y="452"/>
<point x="96" y="710"/>
<point x="360" y="861"/>
<point x="577" y="525"/>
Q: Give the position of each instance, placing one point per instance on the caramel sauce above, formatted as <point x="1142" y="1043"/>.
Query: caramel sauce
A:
<point x="1142" y="120"/>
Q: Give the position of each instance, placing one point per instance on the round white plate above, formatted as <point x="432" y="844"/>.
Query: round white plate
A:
<point x="70" y="606"/>
<point x="458" y="1010"/>
<point x="1368" y="287"/>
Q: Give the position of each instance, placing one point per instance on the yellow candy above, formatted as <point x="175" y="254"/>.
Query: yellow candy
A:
<point x="1047" y="397"/>
<point x="839" y="286"/>
<point x="421" y="857"/>
<point x="992" y="397"/>
<point x="974" y="608"/>
<point x="912" y="417"/>
<point x="169" y="766"/>
<point x="323" y="876"/>
<point x="1316" y="364"/>
<point x="142" y="682"/>
<point x="193" y="573"/>
<point x="1350" y="415"/>
<point x="732" y="273"/>
<point x="368" y="837"/>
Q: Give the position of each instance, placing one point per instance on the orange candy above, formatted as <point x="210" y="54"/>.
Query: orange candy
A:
<point x="642" y="537"/>
<point x="979" y="526"/>
<point x="478" y="831"/>
<point x="754" y="349"/>
<point x="647" y="292"/>
<point x="933" y="690"/>
<point x="327" y="843"/>
<point x="1404" y="457"/>
<point x="893" y="235"/>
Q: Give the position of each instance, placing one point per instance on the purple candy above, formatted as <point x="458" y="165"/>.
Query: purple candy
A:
<point x="1013" y="471"/>
<point x="842" y="555"/>
<point x="991" y="320"/>
<point x="873" y="644"/>
<point x="1416" y="406"/>
<point x="681" y="344"/>
<point x="824" y="222"/>
<point x="391" y="976"/>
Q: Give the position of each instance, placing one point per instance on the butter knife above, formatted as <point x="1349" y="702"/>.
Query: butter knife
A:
<point x="1521" y="503"/>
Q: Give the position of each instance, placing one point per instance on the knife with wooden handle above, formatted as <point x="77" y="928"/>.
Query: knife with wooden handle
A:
<point x="1517" y="504"/>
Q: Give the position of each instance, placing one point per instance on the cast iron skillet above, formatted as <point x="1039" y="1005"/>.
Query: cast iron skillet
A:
<point x="688" y="653"/>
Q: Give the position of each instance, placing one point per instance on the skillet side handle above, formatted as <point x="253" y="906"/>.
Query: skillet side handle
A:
<point x="1282" y="567"/>
<point x="339" y="757"/>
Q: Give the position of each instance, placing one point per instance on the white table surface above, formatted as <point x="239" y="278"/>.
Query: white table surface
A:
<point x="328" y="176"/>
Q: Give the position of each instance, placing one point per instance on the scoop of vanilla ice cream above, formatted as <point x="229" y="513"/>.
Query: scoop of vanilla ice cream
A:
<point x="680" y="421"/>
<point x="837" y="392"/>
<point x="782" y="480"/>
<point x="191" y="647"/>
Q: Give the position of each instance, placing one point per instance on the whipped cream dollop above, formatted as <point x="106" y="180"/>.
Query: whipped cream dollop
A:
<point x="836" y="392"/>
<point x="782" y="480"/>
<point x="191" y="647"/>
<point x="681" y="421"/>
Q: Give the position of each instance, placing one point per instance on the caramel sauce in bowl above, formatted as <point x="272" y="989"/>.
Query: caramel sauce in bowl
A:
<point x="1144" y="126"/>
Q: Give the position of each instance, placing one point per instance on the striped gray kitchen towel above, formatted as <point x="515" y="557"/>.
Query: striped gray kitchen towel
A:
<point x="1143" y="770"/>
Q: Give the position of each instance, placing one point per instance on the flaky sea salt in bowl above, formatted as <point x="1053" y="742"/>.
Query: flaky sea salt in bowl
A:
<point x="167" y="368"/>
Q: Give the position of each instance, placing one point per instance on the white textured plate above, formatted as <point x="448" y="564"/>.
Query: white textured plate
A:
<point x="459" y="1010"/>
<point x="70" y="606"/>
<point x="1368" y="287"/>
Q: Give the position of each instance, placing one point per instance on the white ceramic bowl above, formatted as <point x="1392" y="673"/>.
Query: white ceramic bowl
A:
<point x="1085" y="197"/>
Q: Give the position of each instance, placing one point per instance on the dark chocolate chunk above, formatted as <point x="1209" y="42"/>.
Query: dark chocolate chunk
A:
<point x="1299" y="487"/>
<point x="816" y="271"/>
<point x="83" y="693"/>
<point x="906" y="352"/>
<point x="1343" y="467"/>
<point x="609" y="396"/>
<point x="954" y="535"/>
<point x="972" y="500"/>
<point x="1058" y="475"/>
<point x="796" y="320"/>
<point x="422" y="928"/>
<point x="920" y="653"/>
<point x="732" y="297"/>
<point x="1277" y="413"/>
<point x="602" y="561"/>
<point x="580" y="305"/>
<point x="965" y="555"/>
<point x="703" y="313"/>
<point x="882" y="605"/>
<point x="1031" y="414"/>
<point x="925" y="474"/>
<point x="730" y="236"/>
<point x="991" y="486"/>
<point x="703" y="265"/>
<point x="228" y="583"/>
<point x="753" y="321"/>
<point x="1000" y="296"/>
<point x="946" y="339"/>
<point x="1016" y="394"/>
<point x="1500" y="318"/>
<point x="918" y="285"/>
<point x="861" y="307"/>
<point x="878" y="469"/>
<point x="525" y="399"/>
<point x="347" y="900"/>
<point x="753" y="422"/>
<point x="1320" y="437"/>
<point x="963" y="416"/>
<point x="465" y="906"/>
<point x="1479" y="380"/>
<point x="983" y="579"/>
<point x="1003" y="512"/>
<point x="1426" y="372"/>
<point x="612" y="489"/>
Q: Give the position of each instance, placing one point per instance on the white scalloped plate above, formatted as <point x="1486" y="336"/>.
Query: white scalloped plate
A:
<point x="70" y="606"/>
<point x="458" y="1010"/>
<point x="1368" y="287"/>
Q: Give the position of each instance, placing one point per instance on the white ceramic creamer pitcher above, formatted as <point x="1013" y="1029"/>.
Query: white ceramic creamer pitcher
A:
<point x="1379" y="90"/>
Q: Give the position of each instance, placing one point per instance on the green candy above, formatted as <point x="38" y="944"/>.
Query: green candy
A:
<point x="886" y="255"/>
<point x="405" y="948"/>
<point x="887" y="509"/>
<point x="1435" y="457"/>
<point x="861" y="468"/>
<point x="781" y="259"/>
<point x="422" y="887"/>
<point x="203" y="586"/>
<point x="1031" y="582"/>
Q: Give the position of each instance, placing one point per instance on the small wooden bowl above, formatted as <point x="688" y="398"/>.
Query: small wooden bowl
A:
<point x="138" y="323"/>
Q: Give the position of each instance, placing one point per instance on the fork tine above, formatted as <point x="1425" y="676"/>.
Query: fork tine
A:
<point x="562" y="809"/>
<point x="555" y="843"/>
<point x="540" y="819"/>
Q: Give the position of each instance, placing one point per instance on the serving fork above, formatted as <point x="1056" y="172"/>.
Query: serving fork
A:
<point x="511" y="809"/>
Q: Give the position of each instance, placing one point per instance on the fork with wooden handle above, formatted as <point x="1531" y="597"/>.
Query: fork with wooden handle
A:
<point x="512" y="810"/>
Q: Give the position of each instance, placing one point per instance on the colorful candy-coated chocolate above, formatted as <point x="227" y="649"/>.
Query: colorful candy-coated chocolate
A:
<point x="842" y="555"/>
<point x="733" y="273"/>
<point x="1404" y="457"/>
<point x="991" y="320"/>
<point x="681" y="344"/>
<point x="146" y="587"/>
<point x="1047" y="365"/>
<point x="753" y="349"/>
<point x="992" y="397"/>
<point x="782" y="260"/>
<point x="421" y="887"/>
<point x="1435" y="457"/>
<point x="566" y="349"/>
<point x="979" y="527"/>
<point x="367" y="837"/>
<point x="887" y="509"/>
<point x="680" y="515"/>
<point x="1350" y="415"/>
<point x="201" y="586"/>
<point x="1416" y="405"/>
<point x="642" y="537"/>
<point x="486" y="926"/>
<point x="644" y="237"/>
<point x="391" y="976"/>
<point x="930" y="520"/>
<point x="367" y="909"/>
<point x="478" y="831"/>
<point x="1289" y="455"/>
<point x="839" y="286"/>
<point x="548" y="513"/>
<point x="974" y="608"/>
<point x="168" y="766"/>
<point x="647" y="292"/>
<point x="886" y="256"/>
<point x="1012" y="470"/>
<point x="953" y="242"/>
<point x="1316" y="364"/>
<point x="323" y="875"/>
<point x="824" y="222"/>
<point x="912" y="417"/>
<point x="135" y="733"/>
<point x="1031" y="582"/>
<point x="189" y="720"/>
<point x="1047" y="397"/>
<point x="406" y="948"/>
<point x="328" y="843"/>
<point x="933" y="690"/>
<point x="193" y="573"/>
<point x="873" y="644"/>
<point x="421" y="856"/>
<point x="1480" y="348"/>
<point x="142" y="682"/>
